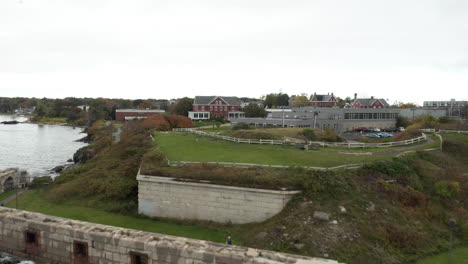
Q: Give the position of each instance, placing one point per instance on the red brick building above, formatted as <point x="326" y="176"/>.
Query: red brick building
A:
<point x="368" y="102"/>
<point x="319" y="100"/>
<point x="121" y="115"/>
<point x="205" y="107"/>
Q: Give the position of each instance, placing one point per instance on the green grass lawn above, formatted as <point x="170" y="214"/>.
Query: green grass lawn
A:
<point x="459" y="256"/>
<point x="189" y="149"/>
<point x="455" y="137"/>
<point x="206" y="123"/>
<point x="33" y="201"/>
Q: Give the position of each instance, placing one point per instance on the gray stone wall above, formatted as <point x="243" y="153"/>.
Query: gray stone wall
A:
<point x="166" y="197"/>
<point x="14" y="174"/>
<point x="55" y="241"/>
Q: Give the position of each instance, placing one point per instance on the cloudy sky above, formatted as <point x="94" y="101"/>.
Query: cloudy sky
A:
<point x="401" y="50"/>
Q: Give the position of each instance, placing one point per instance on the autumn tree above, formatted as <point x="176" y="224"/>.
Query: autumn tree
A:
<point x="180" y="121"/>
<point x="406" y="105"/>
<point x="157" y="122"/>
<point x="301" y="100"/>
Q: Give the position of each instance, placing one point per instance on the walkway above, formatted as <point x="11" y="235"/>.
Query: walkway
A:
<point x="13" y="196"/>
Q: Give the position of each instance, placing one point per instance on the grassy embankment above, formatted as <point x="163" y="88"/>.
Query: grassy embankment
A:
<point x="52" y="120"/>
<point x="6" y="194"/>
<point x="35" y="201"/>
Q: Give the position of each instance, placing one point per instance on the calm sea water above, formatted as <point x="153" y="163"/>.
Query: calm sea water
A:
<point x="36" y="148"/>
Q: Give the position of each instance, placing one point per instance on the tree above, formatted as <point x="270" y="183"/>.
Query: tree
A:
<point x="279" y="99"/>
<point x="301" y="100"/>
<point x="254" y="110"/>
<point x="183" y="106"/>
<point x="406" y="105"/>
<point x="180" y="121"/>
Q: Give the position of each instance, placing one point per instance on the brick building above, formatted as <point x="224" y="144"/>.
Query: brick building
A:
<point x="205" y="107"/>
<point x="369" y="102"/>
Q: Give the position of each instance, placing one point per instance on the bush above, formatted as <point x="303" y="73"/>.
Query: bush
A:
<point x="240" y="126"/>
<point x="180" y="121"/>
<point x="331" y="136"/>
<point x="38" y="182"/>
<point x="446" y="189"/>
<point x="309" y="134"/>
<point x="157" y="122"/>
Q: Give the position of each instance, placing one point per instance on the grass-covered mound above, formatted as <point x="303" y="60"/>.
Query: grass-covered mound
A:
<point x="108" y="180"/>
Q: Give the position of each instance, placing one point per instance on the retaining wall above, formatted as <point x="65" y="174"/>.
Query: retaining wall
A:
<point x="48" y="239"/>
<point x="166" y="197"/>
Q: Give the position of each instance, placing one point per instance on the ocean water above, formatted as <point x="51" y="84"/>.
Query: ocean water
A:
<point x="36" y="148"/>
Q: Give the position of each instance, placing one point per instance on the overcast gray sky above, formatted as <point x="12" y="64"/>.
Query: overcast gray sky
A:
<point x="405" y="50"/>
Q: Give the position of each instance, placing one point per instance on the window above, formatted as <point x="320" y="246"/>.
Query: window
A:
<point x="32" y="244"/>
<point x="138" y="258"/>
<point x="80" y="252"/>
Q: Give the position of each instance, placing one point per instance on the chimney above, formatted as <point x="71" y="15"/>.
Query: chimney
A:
<point x="332" y="94"/>
<point x="355" y="96"/>
<point x="372" y="97"/>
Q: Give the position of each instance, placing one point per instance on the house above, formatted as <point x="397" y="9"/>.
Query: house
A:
<point x="205" y="107"/>
<point x="121" y="115"/>
<point x="368" y="102"/>
<point x="327" y="100"/>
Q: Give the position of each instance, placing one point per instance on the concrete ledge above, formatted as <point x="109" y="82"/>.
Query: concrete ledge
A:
<point x="167" y="197"/>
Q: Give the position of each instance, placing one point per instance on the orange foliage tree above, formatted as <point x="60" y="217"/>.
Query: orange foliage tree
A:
<point x="157" y="122"/>
<point x="180" y="121"/>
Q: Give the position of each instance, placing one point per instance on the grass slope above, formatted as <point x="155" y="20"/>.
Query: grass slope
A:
<point x="188" y="149"/>
<point x="35" y="202"/>
<point x="459" y="256"/>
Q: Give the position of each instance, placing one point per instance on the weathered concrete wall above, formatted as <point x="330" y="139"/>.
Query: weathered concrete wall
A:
<point x="53" y="240"/>
<point x="9" y="174"/>
<point x="166" y="197"/>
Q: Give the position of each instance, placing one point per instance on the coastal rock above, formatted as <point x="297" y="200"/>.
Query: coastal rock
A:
<point x="58" y="169"/>
<point x="321" y="216"/>
<point x="83" y="154"/>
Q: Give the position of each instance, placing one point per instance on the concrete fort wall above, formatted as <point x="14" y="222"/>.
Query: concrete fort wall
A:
<point x="166" y="197"/>
<point x="48" y="239"/>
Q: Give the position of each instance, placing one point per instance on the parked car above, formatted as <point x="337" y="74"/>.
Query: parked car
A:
<point x="361" y="129"/>
<point x="384" y="134"/>
<point x="372" y="135"/>
<point x="400" y="129"/>
<point x="373" y="129"/>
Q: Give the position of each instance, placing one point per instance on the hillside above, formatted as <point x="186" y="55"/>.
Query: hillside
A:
<point x="390" y="211"/>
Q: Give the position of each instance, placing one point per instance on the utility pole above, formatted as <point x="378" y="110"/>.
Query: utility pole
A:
<point x="452" y="226"/>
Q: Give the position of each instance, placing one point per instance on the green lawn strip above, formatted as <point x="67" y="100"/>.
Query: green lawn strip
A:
<point x="6" y="194"/>
<point x="206" y="123"/>
<point x="33" y="201"/>
<point x="455" y="137"/>
<point x="178" y="148"/>
<point x="459" y="256"/>
<point x="216" y="129"/>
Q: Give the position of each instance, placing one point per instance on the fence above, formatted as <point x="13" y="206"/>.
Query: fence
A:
<point x="310" y="143"/>
<point x="453" y="131"/>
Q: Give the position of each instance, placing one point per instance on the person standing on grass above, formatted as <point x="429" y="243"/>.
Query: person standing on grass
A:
<point x="229" y="241"/>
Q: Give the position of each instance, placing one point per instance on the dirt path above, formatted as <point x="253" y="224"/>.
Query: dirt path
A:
<point x="13" y="196"/>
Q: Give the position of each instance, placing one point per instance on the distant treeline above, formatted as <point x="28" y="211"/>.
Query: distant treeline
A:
<point x="78" y="109"/>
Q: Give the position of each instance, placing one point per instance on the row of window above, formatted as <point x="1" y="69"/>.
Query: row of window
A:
<point x="216" y="108"/>
<point x="201" y="115"/>
<point x="80" y="249"/>
<point x="371" y="115"/>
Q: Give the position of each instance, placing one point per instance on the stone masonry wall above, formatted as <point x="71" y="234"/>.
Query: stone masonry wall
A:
<point x="48" y="239"/>
<point x="166" y="197"/>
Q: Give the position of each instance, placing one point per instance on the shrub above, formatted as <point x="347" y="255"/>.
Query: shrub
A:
<point x="331" y="136"/>
<point x="157" y="122"/>
<point x="240" y="126"/>
<point x="309" y="134"/>
<point x="41" y="182"/>
<point x="446" y="189"/>
<point x="180" y="121"/>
